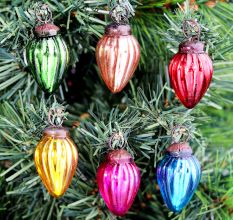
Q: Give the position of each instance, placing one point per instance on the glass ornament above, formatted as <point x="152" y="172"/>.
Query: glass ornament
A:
<point x="178" y="175"/>
<point x="190" y="72"/>
<point x="118" y="179"/>
<point x="117" y="56"/>
<point x="47" y="57"/>
<point x="56" y="159"/>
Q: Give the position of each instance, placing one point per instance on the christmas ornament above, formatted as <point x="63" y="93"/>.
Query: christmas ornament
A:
<point x="117" y="52"/>
<point x="47" y="55"/>
<point x="118" y="179"/>
<point x="56" y="157"/>
<point x="191" y="69"/>
<point x="178" y="175"/>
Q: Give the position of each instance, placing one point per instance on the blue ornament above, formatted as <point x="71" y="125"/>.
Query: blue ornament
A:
<point x="178" y="175"/>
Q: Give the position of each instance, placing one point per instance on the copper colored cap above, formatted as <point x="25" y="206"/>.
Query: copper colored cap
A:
<point x="119" y="156"/>
<point x="46" y="30"/>
<point x="180" y="148"/>
<point x="191" y="47"/>
<point x="118" y="30"/>
<point x="56" y="132"/>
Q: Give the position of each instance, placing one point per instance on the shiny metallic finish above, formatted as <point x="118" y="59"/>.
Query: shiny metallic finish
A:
<point x="190" y="73"/>
<point x="56" y="159"/>
<point x="48" y="59"/>
<point x="178" y="175"/>
<point x="118" y="179"/>
<point x="117" y="55"/>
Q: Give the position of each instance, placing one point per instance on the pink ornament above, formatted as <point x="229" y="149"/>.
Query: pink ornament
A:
<point x="118" y="179"/>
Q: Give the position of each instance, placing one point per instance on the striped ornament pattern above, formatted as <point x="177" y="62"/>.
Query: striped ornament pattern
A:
<point x="190" y="76"/>
<point x="48" y="58"/>
<point x="117" y="57"/>
<point x="56" y="160"/>
<point x="118" y="179"/>
<point x="178" y="178"/>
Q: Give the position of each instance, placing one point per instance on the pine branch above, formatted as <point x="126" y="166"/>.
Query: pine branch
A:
<point x="145" y="116"/>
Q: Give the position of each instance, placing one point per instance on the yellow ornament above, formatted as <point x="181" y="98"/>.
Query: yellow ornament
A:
<point x="56" y="159"/>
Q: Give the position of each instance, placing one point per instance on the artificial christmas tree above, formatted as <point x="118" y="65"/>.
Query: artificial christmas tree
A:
<point x="145" y="113"/>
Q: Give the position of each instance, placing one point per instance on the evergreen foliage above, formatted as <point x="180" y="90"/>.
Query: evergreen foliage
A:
<point x="145" y="112"/>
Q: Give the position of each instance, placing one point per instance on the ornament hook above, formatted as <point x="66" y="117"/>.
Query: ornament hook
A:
<point x="117" y="139"/>
<point x="178" y="131"/>
<point x="56" y="116"/>
<point x="43" y="13"/>
<point x="119" y="12"/>
<point x="191" y="29"/>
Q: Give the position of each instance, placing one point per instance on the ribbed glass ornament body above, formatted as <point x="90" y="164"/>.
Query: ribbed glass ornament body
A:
<point x="178" y="178"/>
<point x="190" y="75"/>
<point x="47" y="58"/>
<point x="118" y="180"/>
<point x="56" y="159"/>
<point x="117" y="55"/>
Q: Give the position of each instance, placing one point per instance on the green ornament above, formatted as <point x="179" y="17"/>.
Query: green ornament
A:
<point x="47" y="56"/>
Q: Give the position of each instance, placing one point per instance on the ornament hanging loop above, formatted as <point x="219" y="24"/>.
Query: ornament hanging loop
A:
<point x="178" y="131"/>
<point x="56" y="116"/>
<point x="119" y="13"/>
<point x="117" y="139"/>
<point x="43" y="13"/>
<point x="191" y="30"/>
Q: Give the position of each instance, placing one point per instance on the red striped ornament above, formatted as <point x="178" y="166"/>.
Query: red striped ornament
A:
<point x="190" y="71"/>
<point x="118" y="179"/>
<point x="117" y="55"/>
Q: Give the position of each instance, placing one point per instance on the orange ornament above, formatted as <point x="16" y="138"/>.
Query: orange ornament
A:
<point x="56" y="159"/>
<point x="117" y="56"/>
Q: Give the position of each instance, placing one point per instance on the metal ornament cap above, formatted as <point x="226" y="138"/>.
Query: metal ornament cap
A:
<point x="119" y="156"/>
<point x="56" y="132"/>
<point x="114" y="29"/>
<point x="118" y="180"/>
<point x="56" y="159"/>
<point x="180" y="149"/>
<point x="117" y="56"/>
<point x="178" y="175"/>
<point x="46" y="30"/>
<point x="189" y="47"/>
